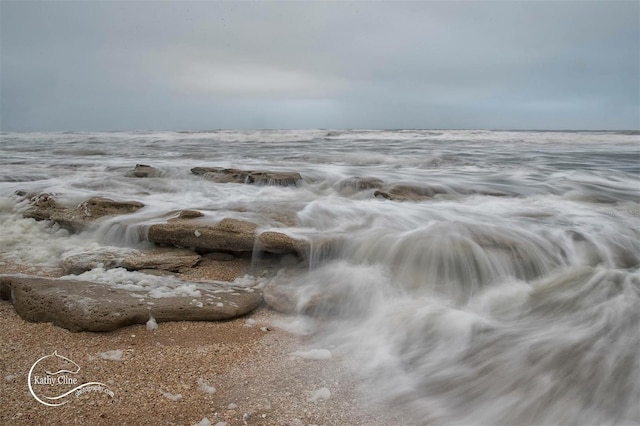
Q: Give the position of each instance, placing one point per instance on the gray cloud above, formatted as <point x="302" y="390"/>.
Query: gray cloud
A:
<point x="203" y="65"/>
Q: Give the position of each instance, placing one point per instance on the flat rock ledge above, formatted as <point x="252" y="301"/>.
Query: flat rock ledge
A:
<point x="163" y="259"/>
<point x="228" y="235"/>
<point x="87" y="306"/>
<point x="257" y="177"/>
<point x="45" y="207"/>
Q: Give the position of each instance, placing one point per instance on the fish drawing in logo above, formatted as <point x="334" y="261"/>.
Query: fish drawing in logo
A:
<point x="54" y="366"/>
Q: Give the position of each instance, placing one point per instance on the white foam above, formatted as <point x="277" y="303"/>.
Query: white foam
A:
<point x="204" y="422"/>
<point x="152" y="324"/>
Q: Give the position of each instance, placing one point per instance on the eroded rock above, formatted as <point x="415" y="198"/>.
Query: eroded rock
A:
<point x="356" y="184"/>
<point x="78" y="218"/>
<point x="258" y="177"/>
<point x="144" y="171"/>
<point x="163" y="259"/>
<point x="408" y="192"/>
<point x="88" y="306"/>
<point x="228" y="235"/>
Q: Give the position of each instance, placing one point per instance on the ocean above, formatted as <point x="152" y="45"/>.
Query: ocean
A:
<point x="477" y="277"/>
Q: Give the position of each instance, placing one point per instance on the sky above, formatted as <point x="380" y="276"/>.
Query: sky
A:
<point x="185" y="65"/>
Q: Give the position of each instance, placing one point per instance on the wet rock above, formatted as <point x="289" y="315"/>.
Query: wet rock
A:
<point x="164" y="259"/>
<point x="356" y="184"/>
<point x="45" y="207"/>
<point x="277" y="242"/>
<point x="408" y="192"/>
<point x="87" y="306"/>
<point x="189" y="214"/>
<point x="227" y="235"/>
<point x="82" y="262"/>
<point x="258" y="177"/>
<point x="144" y="171"/>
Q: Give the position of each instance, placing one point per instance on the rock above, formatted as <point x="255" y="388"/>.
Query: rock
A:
<point x="226" y="235"/>
<point x="408" y="192"/>
<point x="99" y="206"/>
<point x="258" y="177"/>
<point x="164" y="259"/>
<point x="277" y="242"/>
<point x="81" y="262"/>
<point x="87" y="306"/>
<point x="45" y="207"/>
<point x="144" y="171"/>
<point x="355" y="184"/>
<point x="189" y="214"/>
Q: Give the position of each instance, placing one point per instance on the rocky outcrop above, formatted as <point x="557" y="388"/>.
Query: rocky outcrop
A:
<point x="45" y="207"/>
<point x="163" y="259"/>
<point x="257" y="177"/>
<point x="277" y="242"/>
<point x="356" y="184"/>
<point x="145" y="171"/>
<point x="228" y="235"/>
<point x="408" y="192"/>
<point x="87" y="306"/>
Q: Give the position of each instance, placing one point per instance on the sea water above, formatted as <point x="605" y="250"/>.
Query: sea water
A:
<point x="510" y="296"/>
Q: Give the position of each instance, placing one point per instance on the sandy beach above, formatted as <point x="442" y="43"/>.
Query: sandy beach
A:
<point x="239" y="372"/>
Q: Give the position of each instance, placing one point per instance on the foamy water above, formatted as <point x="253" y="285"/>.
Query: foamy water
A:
<point x="510" y="297"/>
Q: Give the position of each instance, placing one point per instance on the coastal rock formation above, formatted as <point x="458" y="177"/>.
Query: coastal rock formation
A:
<point x="228" y="235"/>
<point x="258" y="177"/>
<point x="408" y="192"/>
<point x="45" y="207"/>
<point x="356" y="184"/>
<point x="163" y="259"/>
<point x="277" y="242"/>
<point x="87" y="306"/>
<point x="144" y="171"/>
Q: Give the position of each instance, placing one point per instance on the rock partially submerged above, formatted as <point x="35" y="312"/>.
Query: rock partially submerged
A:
<point x="408" y="192"/>
<point x="258" y="177"/>
<point x="78" y="218"/>
<point x="355" y="184"/>
<point x="144" y="171"/>
<point x="163" y="259"/>
<point x="88" y="306"/>
<point x="228" y="235"/>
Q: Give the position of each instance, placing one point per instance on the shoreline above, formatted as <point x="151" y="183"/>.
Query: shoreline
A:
<point x="167" y="376"/>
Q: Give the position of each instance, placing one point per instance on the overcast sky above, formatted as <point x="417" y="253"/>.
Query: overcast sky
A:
<point x="125" y="65"/>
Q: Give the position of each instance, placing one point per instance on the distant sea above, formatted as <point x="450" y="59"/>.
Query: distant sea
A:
<point x="504" y="290"/>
